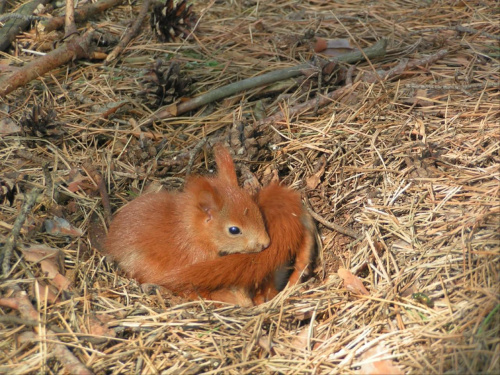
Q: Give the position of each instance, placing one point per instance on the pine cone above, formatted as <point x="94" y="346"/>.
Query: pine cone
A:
<point x="8" y="190"/>
<point x="40" y="122"/>
<point x="169" y="22"/>
<point x="165" y="84"/>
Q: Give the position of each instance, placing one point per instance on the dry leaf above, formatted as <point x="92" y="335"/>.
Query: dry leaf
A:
<point x="50" y="268"/>
<point x="61" y="227"/>
<point x="61" y="282"/>
<point x="408" y="292"/>
<point x="383" y="367"/>
<point x="401" y="245"/>
<point x="153" y="187"/>
<point x="96" y="232"/>
<point x="427" y="98"/>
<point x="77" y="185"/>
<point x="172" y="109"/>
<point x="8" y="126"/>
<point x="46" y="292"/>
<point x="52" y="264"/>
<point x="259" y="110"/>
<point x="76" y="181"/>
<point x="98" y="326"/>
<point x="313" y="181"/>
<point x="301" y="339"/>
<point x="51" y="260"/>
<point x="36" y="253"/>
<point x="266" y="344"/>
<point x="332" y="47"/>
<point x="303" y="315"/>
<point x="352" y="282"/>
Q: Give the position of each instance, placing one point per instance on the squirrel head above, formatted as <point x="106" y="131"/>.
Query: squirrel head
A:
<point x="227" y="216"/>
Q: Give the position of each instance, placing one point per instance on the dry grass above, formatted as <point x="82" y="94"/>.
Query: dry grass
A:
<point x="412" y="163"/>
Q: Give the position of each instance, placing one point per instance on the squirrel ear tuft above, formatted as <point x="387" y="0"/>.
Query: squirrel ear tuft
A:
<point x="225" y="165"/>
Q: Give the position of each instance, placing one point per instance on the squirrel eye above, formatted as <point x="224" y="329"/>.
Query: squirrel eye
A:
<point x="234" y="230"/>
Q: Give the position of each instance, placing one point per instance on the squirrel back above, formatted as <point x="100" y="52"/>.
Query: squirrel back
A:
<point x="159" y="232"/>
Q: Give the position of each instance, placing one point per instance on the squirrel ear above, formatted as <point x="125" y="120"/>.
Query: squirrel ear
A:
<point x="225" y="165"/>
<point x="209" y="200"/>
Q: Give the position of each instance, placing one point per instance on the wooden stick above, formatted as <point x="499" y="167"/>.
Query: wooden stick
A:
<point x="81" y="14"/>
<point x="372" y="77"/>
<point x="134" y="30"/>
<point x="69" y="19"/>
<point x="378" y="49"/>
<point x="6" y="251"/>
<point x="14" y="26"/>
<point x="75" y="48"/>
<point x="333" y="226"/>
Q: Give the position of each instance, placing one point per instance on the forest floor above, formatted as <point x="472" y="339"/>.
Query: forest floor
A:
<point x="403" y="150"/>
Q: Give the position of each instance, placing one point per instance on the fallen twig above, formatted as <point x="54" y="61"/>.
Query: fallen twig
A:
<point x="193" y="153"/>
<point x="17" y="16"/>
<point x="73" y="49"/>
<point x="453" y="87"/>
<point x="15" y="25"/>
<point x="369" y="78"/>
<point x="16" y="229"/>
<point x="403" y="66"/>
<point x="69" y="19"/>
<point x="308" y="105"/>
<point x="99" y="181"/>
<point x="134" y="30"/>
<point x="378" y="49"/>
<point x="333" y="226"/>
<point x="81" y="14"/>
<point x="459" y="28"/>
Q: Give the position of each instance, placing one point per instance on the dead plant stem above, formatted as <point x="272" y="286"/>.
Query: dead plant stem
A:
<point x="16" y="230"/>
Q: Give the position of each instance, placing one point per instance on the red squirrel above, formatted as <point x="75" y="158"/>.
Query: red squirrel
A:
<point x="292" y="242"/>
<point x="158" y="233"/>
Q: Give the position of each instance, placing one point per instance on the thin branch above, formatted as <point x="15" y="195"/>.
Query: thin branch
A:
<point x="296" y="110"/>
<point x="69" y="19"/>
<point x="17" y="16"/>
<point x="81" y="15"/>
<point x="453" y="87"/>
<point x="336" y="94"/>
<point x="16" y="230"/>
<point x="333" y="226"/>
<point x="459" y="28"/>
<point x="403" y="66"/>
<point x="14" y="26"/>
<point x="94" y="174"/>
<point x="378" y="49"/>
<point x="75" y="48"/>
<point x="193" y="153"/>
<point x="132" y="33"/>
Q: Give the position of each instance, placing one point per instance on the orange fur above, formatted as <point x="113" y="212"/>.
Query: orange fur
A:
<point x="160" y="232"/>
<point x="291" y="232"/>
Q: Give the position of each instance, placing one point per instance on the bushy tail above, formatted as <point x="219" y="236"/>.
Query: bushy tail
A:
<point x="282" y="211"/>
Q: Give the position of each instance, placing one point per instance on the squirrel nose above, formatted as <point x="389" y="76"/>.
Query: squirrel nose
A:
<point x="265" y="243"/>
